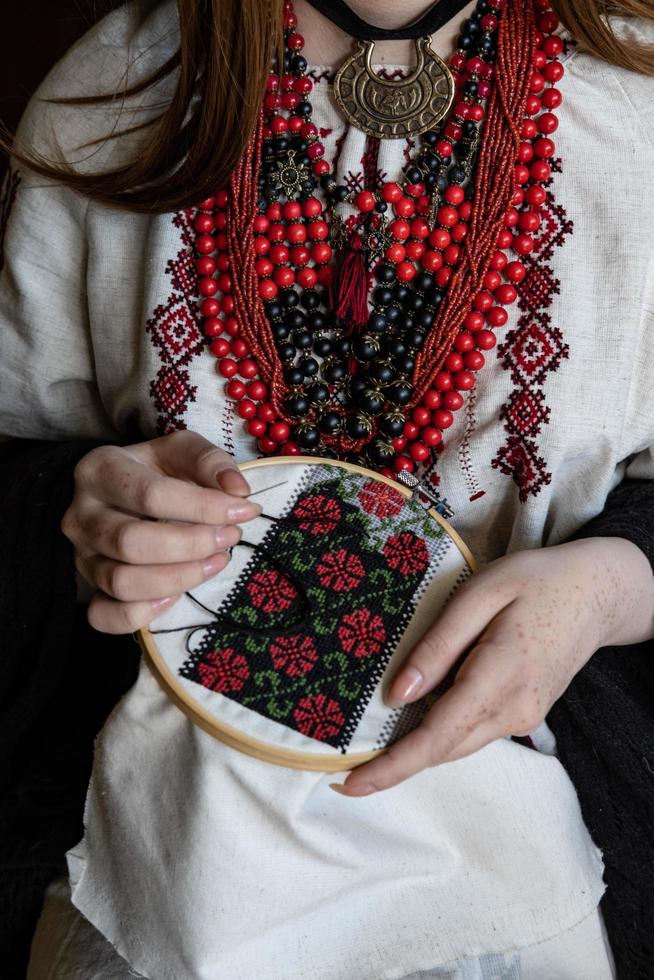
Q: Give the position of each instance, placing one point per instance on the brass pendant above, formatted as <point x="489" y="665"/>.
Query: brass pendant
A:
<point x="390" y="109"/>
<point x="289" y="176"/>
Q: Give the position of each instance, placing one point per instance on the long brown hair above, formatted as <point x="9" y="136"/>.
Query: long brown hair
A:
<point x="226" y="50"/>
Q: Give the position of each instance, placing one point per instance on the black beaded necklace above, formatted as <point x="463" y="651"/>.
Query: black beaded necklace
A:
<point x="357" y="380"/>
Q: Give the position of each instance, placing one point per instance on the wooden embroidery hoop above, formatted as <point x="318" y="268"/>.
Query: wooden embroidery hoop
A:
<point x="227" y="734"/>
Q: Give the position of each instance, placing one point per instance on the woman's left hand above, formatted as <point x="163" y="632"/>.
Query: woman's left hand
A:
<point x="530" y="621"/>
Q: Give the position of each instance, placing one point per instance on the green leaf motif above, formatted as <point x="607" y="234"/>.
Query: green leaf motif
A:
<point x="349" y="688"/>
<point x="268" y="680"/>
<point x="383" y="578"/>
<point x="246" y="616"/>
<point x="325" y="627"/>
<point x="337" y="663"/>
<point x="254" y="644"/>
<point x="279" y="709"/>
<point x="394" y="602"/>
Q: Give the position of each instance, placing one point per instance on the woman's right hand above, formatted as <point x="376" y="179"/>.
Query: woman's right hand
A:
<point x="152" y="521"/>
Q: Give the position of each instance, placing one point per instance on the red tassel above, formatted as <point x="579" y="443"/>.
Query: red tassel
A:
<point x="350" y="287"/>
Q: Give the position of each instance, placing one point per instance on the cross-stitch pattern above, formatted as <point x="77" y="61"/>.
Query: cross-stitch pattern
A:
<point x="307" y="630"/>
<point x="531" y="352"/>
<point x="405" y="719"/>
<point x="174" y="330"/>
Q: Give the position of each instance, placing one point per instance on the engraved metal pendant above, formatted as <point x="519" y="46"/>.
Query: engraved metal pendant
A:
<point x="389" y="109"/>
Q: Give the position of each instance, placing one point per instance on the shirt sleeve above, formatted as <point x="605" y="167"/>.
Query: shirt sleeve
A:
<point x="48" y="385"/>
<point x="47" y="378"/>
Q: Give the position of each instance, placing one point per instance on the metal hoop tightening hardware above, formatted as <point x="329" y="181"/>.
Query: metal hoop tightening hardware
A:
<point x="424" y="494"/>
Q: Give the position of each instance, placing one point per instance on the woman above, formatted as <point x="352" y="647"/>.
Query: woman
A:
<point x="479" y="238"/>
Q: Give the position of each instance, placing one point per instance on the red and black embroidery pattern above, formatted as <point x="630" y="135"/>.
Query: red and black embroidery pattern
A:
<point x="224" y="670"/>
<point x="305" y="639"/>
<point x="9" y="192"/>
<point x="381" y="500"/>
<point x="373" y="175"/>
<point x="174" y="329"/>
<point x="532" y="352"/>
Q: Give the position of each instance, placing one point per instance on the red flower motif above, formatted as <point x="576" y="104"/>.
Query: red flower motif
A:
<point x="319" y="515"/>
<point x="381" y="500"/>
<point x="319" y="717"/>
<point x="294" y="655"/>
<point x="271" y="592"/>
<point x="224" y="671"/>
<point x="406" y="553"/>
<point x="362" y="633"/>
<point x="340" y="570"/>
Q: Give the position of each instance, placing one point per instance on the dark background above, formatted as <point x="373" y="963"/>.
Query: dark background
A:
<point x="45" y="766"/>
<point x="34" y="34"/>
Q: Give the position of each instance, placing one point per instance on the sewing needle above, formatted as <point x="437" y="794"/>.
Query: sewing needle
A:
<point x="265" y="489"/>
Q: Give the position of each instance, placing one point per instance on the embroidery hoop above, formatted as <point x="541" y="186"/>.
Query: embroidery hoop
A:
<point x="232" y="736"/>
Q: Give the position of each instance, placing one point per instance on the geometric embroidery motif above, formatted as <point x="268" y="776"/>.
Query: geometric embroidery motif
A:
<point x="374" y="177"/>
<point x="9" y="191"/>
<point x="174" y="330"/>
<point x="354" y="182"/>
<point x="308" y="628"/>
<point x="526" y="411"/>
<point x="531" y="352"/>
<point x="370" y="176"/>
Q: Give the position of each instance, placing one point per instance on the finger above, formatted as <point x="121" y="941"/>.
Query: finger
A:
<point x="460" y="712"/>
<point x="135" y="583"/>
<point x="482" y="736"/>
<point x="458" y="627"/>
<point x="232" y="481"/>
<point x="189" y="456"/>
<point x="111" y="616"/>
<point x="99" y="530"/>
<point x="116" y="478"/>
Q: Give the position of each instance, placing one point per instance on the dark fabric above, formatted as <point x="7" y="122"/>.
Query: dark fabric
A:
<point x="604" y="726"/>
<point x="344" y="17"/>
<point x="59" y="679"/>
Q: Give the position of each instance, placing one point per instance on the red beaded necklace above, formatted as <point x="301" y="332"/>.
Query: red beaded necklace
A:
<point x="247" y="255"/>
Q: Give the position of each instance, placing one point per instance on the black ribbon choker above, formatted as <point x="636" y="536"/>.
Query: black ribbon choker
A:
<point x="338" y="12"/>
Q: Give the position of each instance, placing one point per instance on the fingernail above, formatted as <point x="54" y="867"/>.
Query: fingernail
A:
<point x="364" y="789"/>
<point x="233" y="482"/>
<point x="243" y="512"/>
<point x="213" y="565"/>
<point x="405" y="687"/>
<point x="227" y="537"/>
<point x="159" y="604"/>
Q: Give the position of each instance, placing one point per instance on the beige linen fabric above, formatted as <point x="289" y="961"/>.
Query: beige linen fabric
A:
<point x="67" y="947"/>
<point x="201" y="863"/>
